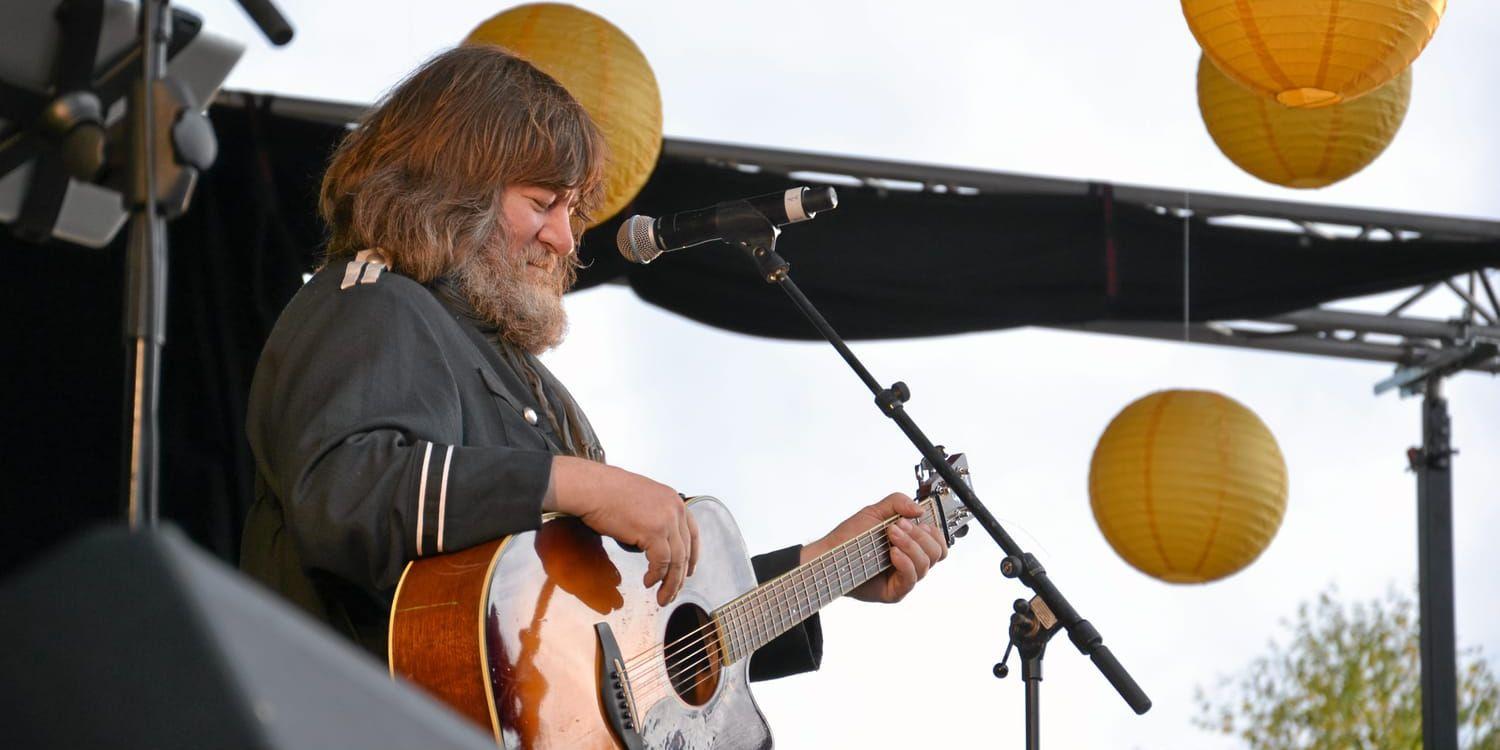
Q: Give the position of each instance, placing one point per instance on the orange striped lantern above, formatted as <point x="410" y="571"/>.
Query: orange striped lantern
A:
<point x="1313" y="53"/>
<point x="1299" y="148"/>
<point x="604" y="70"/>
<point x="1188" y="486"/>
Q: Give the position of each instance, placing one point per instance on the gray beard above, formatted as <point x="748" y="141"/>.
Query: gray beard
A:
<point x="507" y="293"/>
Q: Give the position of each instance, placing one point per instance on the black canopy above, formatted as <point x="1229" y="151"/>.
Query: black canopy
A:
<point x="891" y="264"/>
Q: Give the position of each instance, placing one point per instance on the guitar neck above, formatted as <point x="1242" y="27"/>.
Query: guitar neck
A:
<point x="778" y="605"/>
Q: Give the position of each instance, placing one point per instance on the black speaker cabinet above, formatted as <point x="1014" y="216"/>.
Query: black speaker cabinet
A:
<point x="140" y="640"/>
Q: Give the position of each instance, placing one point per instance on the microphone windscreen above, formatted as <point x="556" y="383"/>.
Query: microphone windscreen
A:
<point x="635" y="240"/>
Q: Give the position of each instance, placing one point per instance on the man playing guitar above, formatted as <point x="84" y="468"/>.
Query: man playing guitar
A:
<point x="399" y="410"/>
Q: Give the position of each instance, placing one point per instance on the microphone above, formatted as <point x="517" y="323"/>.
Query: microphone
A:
<point x="642" y="238"/>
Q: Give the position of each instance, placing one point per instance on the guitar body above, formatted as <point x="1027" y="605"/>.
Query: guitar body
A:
<point x="505" y="633"/>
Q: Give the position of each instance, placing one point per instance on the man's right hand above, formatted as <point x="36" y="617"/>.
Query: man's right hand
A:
<point x="633" y="509"/>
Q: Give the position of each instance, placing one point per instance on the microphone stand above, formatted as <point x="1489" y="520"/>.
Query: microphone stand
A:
<point x="1034" y="622"/>
<point x="145" y="271"/>
<point x="159" y="141"/>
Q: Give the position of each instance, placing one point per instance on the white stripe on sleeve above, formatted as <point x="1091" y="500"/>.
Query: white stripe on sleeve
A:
<point x="443" y="497"/>
<point x="422" y="496"/>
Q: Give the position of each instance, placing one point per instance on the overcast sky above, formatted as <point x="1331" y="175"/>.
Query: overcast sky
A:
<point x="784" y="434"/>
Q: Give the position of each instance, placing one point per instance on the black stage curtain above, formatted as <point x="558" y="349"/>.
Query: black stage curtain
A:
<point x="883" y="265"/>
<point x="235" y="259"/>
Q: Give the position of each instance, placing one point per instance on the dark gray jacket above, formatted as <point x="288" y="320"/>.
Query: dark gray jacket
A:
<point x="384" y="428"/>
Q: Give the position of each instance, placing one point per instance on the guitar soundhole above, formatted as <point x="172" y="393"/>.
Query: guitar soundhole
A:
<point x="692" y="652"/>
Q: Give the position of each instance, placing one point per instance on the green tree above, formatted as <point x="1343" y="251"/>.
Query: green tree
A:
<point x="1348" y="677"/>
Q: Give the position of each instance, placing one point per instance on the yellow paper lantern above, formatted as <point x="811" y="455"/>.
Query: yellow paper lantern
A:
<point x="1188" y="486"/>
<point x="604" y="71"/>
<point x="1313" y="53"/>
<point x="1299" y="148"/>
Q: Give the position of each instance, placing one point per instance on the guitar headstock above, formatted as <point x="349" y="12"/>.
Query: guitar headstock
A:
<point x="930" y="484"/>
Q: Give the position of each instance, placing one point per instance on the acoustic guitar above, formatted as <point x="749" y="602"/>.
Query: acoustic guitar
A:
<point x="548" y="639"/>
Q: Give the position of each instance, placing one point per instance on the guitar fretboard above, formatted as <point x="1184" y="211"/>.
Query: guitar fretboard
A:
<point x="778" y="605"/>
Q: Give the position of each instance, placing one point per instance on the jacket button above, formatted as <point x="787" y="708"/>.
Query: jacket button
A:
<point x="530" y="415"/>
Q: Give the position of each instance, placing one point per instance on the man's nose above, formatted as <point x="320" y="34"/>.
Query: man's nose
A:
<point x="557" y="231"/>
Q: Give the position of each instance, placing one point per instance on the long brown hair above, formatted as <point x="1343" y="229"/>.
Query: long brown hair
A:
<point x="420" y="176"/>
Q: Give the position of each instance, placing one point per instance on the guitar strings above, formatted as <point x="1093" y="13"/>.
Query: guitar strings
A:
<point x="690" y="659"/>
<point x="692" y="662"/>
<point x="643" y="656"/>
<point x="687" y="651"/>
<point x="861" y="539"/>
<point x="655" y="681"/>
<point x="657" y="650"/>
<point x="675" y="669"/>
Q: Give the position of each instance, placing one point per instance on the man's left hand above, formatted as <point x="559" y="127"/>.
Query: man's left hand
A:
<point x="915" y="547"/>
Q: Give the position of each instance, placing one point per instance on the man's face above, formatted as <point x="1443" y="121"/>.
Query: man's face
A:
<point x="517" y="282"/>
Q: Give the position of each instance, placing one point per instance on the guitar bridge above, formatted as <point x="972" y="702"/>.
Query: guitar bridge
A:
<point x="614" y="691"/>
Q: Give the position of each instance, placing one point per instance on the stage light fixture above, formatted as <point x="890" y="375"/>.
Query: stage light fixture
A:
<point x="64" y="75"/>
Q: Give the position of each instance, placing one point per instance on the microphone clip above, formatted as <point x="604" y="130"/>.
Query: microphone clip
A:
<point x="741" y="225"/>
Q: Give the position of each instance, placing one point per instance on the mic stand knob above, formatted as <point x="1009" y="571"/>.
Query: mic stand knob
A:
<point x="1001" y="670"/>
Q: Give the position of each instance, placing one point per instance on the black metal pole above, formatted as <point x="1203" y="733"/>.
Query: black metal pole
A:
<point x="145" y="275"/>
<point x="1434" y="469"/>
<point x="1031" y="674"/>
<point x="1031" y="626"/>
